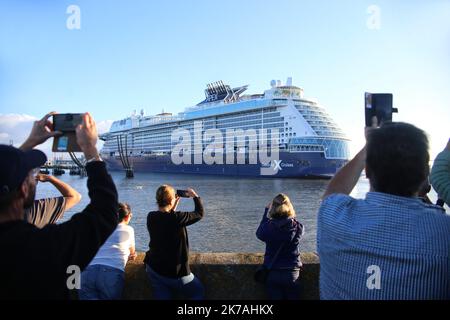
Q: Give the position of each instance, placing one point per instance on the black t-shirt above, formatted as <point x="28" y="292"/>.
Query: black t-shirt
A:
<point x="169" y="244"/>
<point x="46" y="211"/>
<point x="35" y="261"/>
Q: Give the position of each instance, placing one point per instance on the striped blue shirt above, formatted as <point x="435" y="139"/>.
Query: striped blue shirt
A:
<point x="383" y="247"/>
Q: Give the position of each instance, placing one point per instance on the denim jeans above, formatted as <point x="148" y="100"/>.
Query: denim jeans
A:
<point x="283" y="284"/>
<point x="189" y="287"/>
<point x="99" y="282"/>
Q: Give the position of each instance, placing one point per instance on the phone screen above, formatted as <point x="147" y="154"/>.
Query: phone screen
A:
<point x="182" y="193"/>
<point x="67" y="122"/>
<point x="63" y="143"/>
<point x="383" y="102"/>
<point x="379" y="105"/>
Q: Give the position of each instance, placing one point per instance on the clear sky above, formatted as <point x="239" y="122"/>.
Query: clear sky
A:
<point x="160" y="54"/>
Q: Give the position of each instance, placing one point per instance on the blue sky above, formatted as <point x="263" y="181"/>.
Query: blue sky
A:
<point x="158" y="54"/>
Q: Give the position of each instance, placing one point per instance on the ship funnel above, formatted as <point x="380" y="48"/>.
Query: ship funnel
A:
<point x="289" y="82"/>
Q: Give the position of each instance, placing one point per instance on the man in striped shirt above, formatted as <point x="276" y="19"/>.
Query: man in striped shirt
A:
<point x="389" y="245"/>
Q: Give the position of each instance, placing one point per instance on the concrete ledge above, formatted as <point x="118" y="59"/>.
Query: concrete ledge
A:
<point x="226" y="276"/>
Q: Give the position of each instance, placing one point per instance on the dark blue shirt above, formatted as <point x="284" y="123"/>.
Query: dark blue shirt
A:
<point x="277" y="232"/>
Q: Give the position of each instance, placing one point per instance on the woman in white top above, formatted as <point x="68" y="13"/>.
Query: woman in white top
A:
<point x="104" y="277"/>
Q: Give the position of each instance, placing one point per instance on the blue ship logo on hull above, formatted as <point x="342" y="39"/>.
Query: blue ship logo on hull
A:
<point x="272" y="168"/>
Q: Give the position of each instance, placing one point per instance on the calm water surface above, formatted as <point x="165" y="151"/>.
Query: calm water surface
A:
<point x="233" y="206"/>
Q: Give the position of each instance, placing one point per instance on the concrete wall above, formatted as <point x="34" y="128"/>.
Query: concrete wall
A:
<point x="227" y="276"/>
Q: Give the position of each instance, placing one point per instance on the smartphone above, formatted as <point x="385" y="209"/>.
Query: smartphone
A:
<point x="182" y="193"/>
<point x="67" y="122"/>
<point x="380" y="106"/>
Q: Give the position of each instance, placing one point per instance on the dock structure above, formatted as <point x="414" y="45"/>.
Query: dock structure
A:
<point x="122" y="146"/>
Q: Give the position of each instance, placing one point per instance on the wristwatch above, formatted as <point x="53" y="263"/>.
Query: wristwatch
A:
<point x="95" y="158"/>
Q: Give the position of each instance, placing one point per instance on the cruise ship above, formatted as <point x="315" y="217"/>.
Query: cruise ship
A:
<point x="310" y="143"/>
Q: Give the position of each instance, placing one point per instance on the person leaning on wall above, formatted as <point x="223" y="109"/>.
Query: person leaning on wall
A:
<point x="104" y="278"/>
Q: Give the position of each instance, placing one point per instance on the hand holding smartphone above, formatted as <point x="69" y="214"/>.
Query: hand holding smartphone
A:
<point x="67" y="124"/>
<point x="378" y="105"/>
<point x="183" y="193"/>
<point x="189" y="193"/>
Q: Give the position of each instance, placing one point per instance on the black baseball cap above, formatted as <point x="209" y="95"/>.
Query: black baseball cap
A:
<point x="15" y="165"/>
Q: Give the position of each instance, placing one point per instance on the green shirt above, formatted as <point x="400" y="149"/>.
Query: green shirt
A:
<point x="440" y="176"/>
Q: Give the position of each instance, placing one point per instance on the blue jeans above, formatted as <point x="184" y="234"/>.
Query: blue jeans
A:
<point x="189" y="287"/>
<point x="283" y="284"/>
<point x="99" y="282"/>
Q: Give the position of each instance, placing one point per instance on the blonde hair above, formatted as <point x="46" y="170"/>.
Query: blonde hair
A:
<point x="164" y="195"/>
<point x="281" y="207"/>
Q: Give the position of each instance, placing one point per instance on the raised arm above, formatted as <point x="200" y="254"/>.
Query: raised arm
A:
<point x="346" y="179"/>
<point x="42" y="130"/>
<point x="188" y="218"/>
<point x="76" y="241"/>
<point x="262" y="228"/>
<point x="71" y="195"/>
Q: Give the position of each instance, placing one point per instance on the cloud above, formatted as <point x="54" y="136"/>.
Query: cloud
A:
<point x="15" y="128"/>
<point x="104" y="126"/>
<point x="12" y="119"/>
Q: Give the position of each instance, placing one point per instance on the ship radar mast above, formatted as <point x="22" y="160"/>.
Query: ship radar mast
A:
<point x="278" y="90"/>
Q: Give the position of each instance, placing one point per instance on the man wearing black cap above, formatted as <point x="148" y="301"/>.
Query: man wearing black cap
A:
<point x="35" y="262"/>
